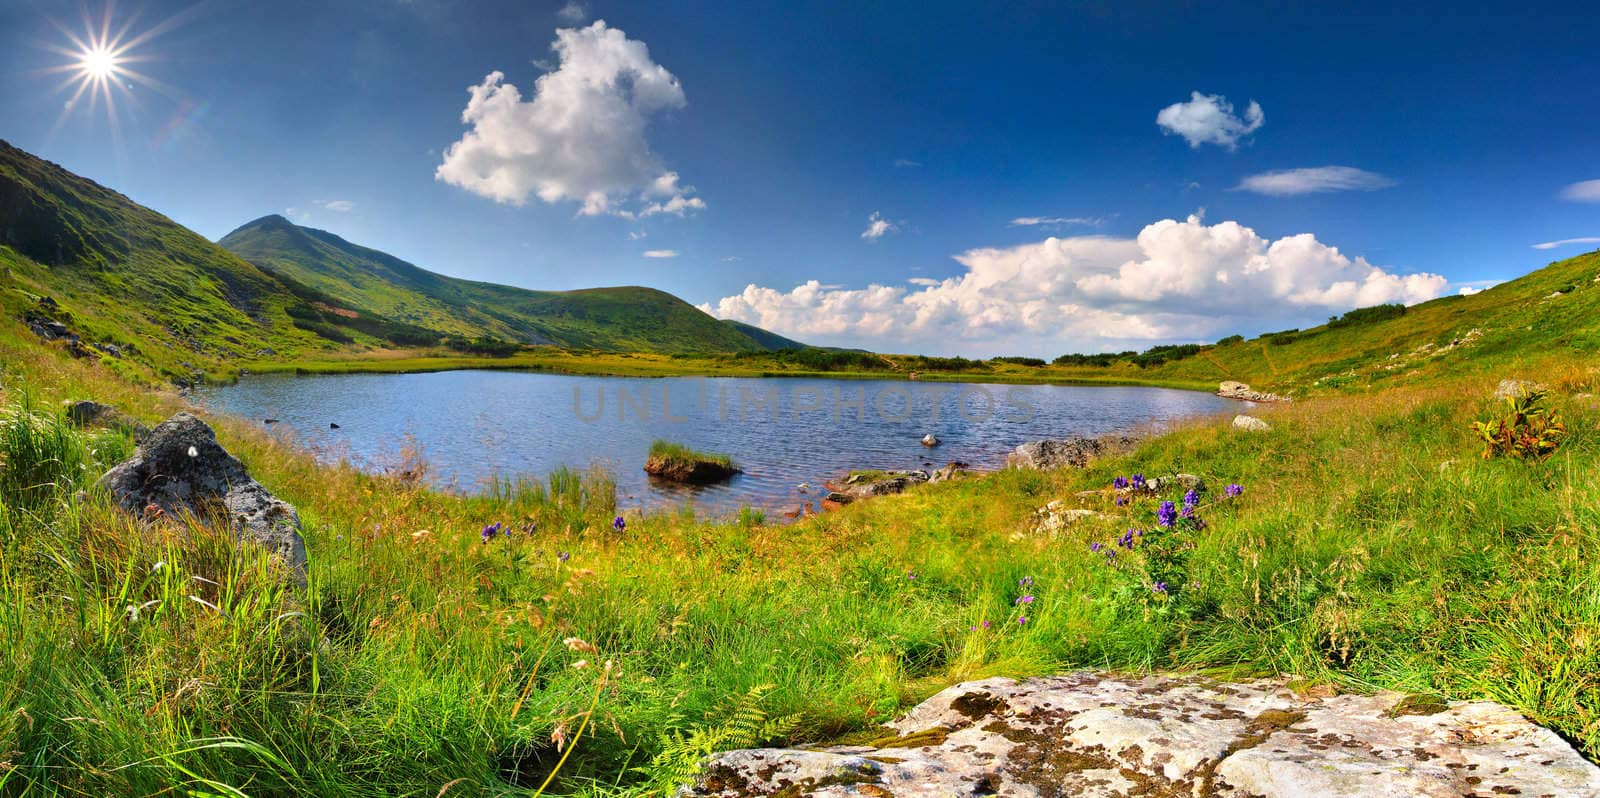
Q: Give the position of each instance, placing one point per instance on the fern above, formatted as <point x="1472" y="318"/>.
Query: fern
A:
<point x="683" y="753"/>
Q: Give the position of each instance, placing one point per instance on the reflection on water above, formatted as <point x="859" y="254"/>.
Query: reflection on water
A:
<point x="786" y="433"/>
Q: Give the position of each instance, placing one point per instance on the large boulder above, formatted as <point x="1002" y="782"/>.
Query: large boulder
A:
<point x="1231" y="389"/>
<point x="180" y="468"/>
<point x="1097" y="735"/>
<point x="1251" y="424"/>
<point x="867" y="484"/>
<point x="1073" y="452"/>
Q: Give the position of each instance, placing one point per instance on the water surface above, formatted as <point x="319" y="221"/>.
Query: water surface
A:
<point x="788" y="434"/>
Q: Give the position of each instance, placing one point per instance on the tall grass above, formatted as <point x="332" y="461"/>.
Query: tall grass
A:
<point x="1373" y="547"/>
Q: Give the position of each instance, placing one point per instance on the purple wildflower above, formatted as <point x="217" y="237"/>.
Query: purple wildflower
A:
<point x="1025" y="581"/>
<point x="1022" y="619"/>
<point x="1024" y="600"/>
<point x="1138" y="482"/>
<point x="1126" y="541"/>
<point x="911" y="575"/>
<point x="490" y="531"/>
<point x="1235" y="490"/>
<point x="986" y="624"/>
<point x="619" y="524"/>
<point x="1122" y="501"/>
<point x="1167" y="515"/>
<point x="1095" y="547"/>
<point x="1191" y="499"/>
<point x="1159" y="587"/>
<point x="1120" y="483"/>
<point x="563" y="556"/>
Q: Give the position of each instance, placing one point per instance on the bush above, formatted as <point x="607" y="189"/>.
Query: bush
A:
<point x="1528" y="430"/>
<point x="1034" y="362"/>
<point x="1101" y="360"/>
<point x="1156" y="355"/>
<point x="1375" y="313"/>
<point x="1232" y="339"/>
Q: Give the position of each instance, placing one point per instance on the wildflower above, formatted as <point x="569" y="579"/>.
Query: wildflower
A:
<point x="1191" y="499"/>
<point x="1138" y="482"/>
<point x="1159" y="587"/>
<point x="563" y="556"/>
<point x="1235" y="490"/>
<point x="1022" y="619"/>
<point x="619" y="524"/>
<point x="1120" y="483"/>
<point x="1024" y="600"/>
<point x="1095" y="547"/>
<point x="1025" y="581"/>
<point x="1167" y="515"/>
<point x="1126" y="541"/>
<point x="911" y="575"/>
<point x="490" y="531"/>
<point x="1122" y="501"/>
<point x="579" y="644"/>
<point x="987" y="624"/>
<point x="528" y="528"/>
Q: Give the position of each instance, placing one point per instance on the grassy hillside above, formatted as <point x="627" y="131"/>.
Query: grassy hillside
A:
<point x="617" y="319"/>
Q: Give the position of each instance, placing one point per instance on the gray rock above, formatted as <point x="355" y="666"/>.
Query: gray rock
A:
<point x="1047" y="454"/>
<point x="1185" y="481"/>
<point x="1099" y="735"/>
<point x="1229" y="389"/>
<point x="866" y="484"/>
<point x="1251" y="424"/>
<point x="95" y="414"/>
<point x="930" y="440"/>
<point x="180" y="468"/>
<point x="1509" y="388"/>
<point x="950" y="471"/>
<point x="1056" y="517"/>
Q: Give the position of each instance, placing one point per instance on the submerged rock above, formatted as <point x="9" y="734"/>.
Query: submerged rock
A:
<point x="1230" y="389"/>
<point x="1100" y="735"/>
<point x="930" y="440"/>
<point x="180" y="468"/>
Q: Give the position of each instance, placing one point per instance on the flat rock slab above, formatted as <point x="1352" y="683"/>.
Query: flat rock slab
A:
<point x="1100" y="735"/>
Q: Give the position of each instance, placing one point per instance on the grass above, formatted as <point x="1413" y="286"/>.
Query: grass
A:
<point x="1373" y="548"/>
<point x="676" y="454"/>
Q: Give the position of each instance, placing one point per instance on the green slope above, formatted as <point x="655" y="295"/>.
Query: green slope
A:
<point x="619" y="319"/>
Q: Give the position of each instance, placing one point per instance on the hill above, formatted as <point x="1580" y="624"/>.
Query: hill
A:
<point x="628" y="318"/>
<point x="115" y="282"/>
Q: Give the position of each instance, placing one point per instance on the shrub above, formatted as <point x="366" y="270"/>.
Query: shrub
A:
<point x="1232" y="339"/>
<point x="1019" y="361"/>
<point x="1368" y="315"/>
<point x="1528" y="430"/>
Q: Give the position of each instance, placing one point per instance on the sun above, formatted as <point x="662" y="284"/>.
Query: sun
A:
<point x="98" y="63"/>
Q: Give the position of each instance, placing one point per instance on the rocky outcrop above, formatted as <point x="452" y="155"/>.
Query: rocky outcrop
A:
<point x="1509" y="388"/>
<point x="1099" y="735"/>
<point x="1251" y="424"/>
<point x="180" y="468"/>
<point x="951" y="470"/>
<point x="1067" y="452"/>
<point x="1230" y="389"/>
<point x="95" y="414"/>
<point x="1056" y="517"/>
<point x="866" y="484"/>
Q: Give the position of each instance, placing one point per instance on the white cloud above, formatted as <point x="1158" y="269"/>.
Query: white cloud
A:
<point x="1209" y="119"/>
<point x="906" y="163"/>
<point x="573" y="13"/>
<point x="580" y="137"/>
<point x="1468" y="290"/>
<point x="1584" y="191"/>
<point x="341" y="206"/>
<point x="878" y="227"/>
<point x="732" y="259"/>
<point x="1178" y="280"/>
<point x="635" y="235"/>
<point x="1565" y="241"/>
<point x="923" y="281"/>
<point x="661" y="253"/>
<point x="1057" y="221"/>
<point x="1291" y="182"/>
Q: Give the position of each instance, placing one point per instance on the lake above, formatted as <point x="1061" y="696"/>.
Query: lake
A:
<point x="788" y="434"/>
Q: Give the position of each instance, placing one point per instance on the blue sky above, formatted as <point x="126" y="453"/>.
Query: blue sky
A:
<point x="1396" y="155"/>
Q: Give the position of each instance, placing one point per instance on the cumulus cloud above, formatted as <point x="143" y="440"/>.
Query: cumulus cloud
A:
<point x="878" y="227"/>
<point x="1177" y="280"/>
<point x="1057" y="221"/>
<point x="1565" y="241"/>
<point x="1584" y="191"/>
<point x="1209" y="119"/>
<point x="580" y="137"/>
<point x="1291" y="182"/>
<point x="573" y="13"/>
<point x="661" y="253"/>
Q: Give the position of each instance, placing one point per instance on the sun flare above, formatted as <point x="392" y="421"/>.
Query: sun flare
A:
<point x="98" y="63"/>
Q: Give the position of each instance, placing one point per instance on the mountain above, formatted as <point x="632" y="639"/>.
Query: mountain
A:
<point x="627" y="318"/>
<point x="117" y="281"/>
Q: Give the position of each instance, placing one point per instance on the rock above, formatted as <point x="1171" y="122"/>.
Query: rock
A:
<point x="1074" y="452"/>
<point x="1251" y="424"/>
<point x="1055" y="517"/>
<point x="930" y="440"/>
<point x="866" y="484"/>
<point x="180" y="468"/>
<point x="1185" y="481"/>
<point x="951" y="471"/>
<point x="94" y="414"/>
<point x="332" y="425"/>
<point x="1509" y="388"/>
<point x="694" y="472"/>
<point x="1230" y="389"/>
<point x="1099" y="735"/>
